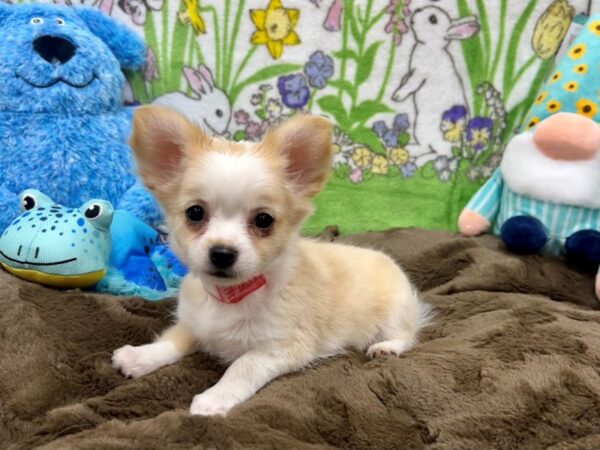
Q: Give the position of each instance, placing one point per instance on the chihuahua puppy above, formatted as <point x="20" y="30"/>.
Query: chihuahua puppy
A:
<point x="257" y="295"/>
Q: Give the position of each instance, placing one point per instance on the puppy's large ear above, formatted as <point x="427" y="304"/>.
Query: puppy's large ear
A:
<point x="161" y="140"/>
<point x="305" y="143"/>
<point x="126" y="45"/>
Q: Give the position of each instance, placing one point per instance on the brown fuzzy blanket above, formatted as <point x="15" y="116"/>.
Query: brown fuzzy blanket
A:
<point x="510" y="362"/>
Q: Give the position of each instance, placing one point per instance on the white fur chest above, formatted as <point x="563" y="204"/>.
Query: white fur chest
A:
<point x="230" y="330"/>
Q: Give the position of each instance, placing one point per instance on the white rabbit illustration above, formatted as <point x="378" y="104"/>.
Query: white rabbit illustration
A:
<point x="210" y="106"/>
<point x="432" y="79"/>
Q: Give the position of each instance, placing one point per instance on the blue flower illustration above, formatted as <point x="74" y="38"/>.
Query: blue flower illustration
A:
<point x="379" y="128"/>
<point x="389" y="136"/>
<point x="454" y="123"/>
<point x="408" y="169"/>
<point x="479" y="132"/>
<point x="401" y="123"/>
<point x="293" y="90"/>
<point x="319" y="69"/>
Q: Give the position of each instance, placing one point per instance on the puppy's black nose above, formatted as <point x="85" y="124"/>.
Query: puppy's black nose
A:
<point x="54" y="49"/>
<point x="222" y="257"/>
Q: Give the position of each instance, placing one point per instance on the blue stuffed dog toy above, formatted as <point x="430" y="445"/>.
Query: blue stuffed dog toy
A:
<point x="63" y="126"/>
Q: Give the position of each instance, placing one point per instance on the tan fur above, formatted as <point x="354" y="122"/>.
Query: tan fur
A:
<point x="319" y="300"/>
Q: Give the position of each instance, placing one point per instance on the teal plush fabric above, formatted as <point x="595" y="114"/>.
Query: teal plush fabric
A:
<point x="573" y="84"/>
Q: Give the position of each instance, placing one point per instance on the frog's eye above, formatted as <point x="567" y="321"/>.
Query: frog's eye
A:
<point x="29" y="202"/>
<point x="93" y="211"/>
<point x="37" y="21"/>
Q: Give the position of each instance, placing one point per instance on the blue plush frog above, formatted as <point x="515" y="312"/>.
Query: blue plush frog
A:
<point x="58" y="246"/>
<point x="66" y="247"/>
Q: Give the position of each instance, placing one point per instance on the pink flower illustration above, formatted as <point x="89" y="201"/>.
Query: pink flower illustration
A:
<point x="333" y="21"/>
<point x="253" y="131"/>
<point x="150" y="72"/>
<point x="241" y="117"/>
<point x="356" y="176"/>
<point x="399" y="13"/>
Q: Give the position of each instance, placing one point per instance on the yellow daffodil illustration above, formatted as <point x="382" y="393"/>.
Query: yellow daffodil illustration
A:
<point x="275" y="27"/>
<point x="594" y="27"/>
<point x="552" y="28"/>
<point x="192" y="16"/>
<point x="557" y="76"/>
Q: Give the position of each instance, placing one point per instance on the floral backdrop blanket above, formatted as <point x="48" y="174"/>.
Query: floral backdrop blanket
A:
<point x="423" y="93"/>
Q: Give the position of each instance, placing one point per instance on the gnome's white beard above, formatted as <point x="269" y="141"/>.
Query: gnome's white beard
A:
<point x="528" y="171"/>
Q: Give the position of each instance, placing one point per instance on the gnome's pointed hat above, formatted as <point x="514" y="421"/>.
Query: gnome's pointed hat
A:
<point x="574" y="85"/>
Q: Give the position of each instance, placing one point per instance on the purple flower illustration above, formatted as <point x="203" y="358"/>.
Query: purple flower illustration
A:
<point x="399" y="12"/>
<point x="293" y="90"/>
<point x="454" y="122"/>
<point x="319" y="69"/>
<point x="455" y="114"/>
<point x="479" y="132"/>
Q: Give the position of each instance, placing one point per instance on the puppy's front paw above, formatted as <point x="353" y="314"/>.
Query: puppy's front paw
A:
<point x="212" y="402"/>
<point x="395" y="347"/>
<point x="129" y="361"/>
<point x="135" y="362"/>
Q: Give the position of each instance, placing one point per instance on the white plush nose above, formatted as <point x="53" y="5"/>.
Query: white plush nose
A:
<point x="568" y="137"/>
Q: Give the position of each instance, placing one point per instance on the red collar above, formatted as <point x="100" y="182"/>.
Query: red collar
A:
<point x="238" y="292"/>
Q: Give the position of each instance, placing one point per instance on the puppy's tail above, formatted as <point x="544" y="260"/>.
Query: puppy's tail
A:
<point x="425" y="313"/>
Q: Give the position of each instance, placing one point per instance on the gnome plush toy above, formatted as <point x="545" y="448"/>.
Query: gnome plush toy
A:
<point x="545" y="196"/>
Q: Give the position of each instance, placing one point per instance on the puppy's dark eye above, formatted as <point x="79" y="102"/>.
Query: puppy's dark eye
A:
<point x="219" y="113"/>
<point x="93" y="212"/>
<point x="195" y="213"/>
<point x="263" y="221"/>
<point x="28" y="202"/>
<point x="433" y="19"/>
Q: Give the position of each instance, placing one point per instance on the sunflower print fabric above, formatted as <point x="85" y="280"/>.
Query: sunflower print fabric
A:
<point x="574" y="85"/>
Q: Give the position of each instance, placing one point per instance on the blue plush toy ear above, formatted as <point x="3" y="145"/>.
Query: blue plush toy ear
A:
<point x="4" y="10"/>
<point x="127" y="46"/>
